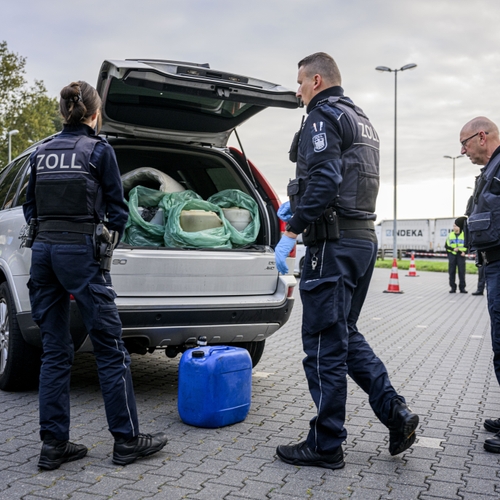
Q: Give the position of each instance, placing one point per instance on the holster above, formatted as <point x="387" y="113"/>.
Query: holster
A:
<point x="324" y="228"/>
<point x="31" y="233"/>
<point x="104" y="244"/>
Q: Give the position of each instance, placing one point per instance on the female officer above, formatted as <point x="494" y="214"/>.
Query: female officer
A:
<point x="74" y="184"/>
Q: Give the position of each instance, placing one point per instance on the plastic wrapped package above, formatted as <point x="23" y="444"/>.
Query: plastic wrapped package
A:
<point x="176" y="236"/>
<point x="139" y="237"/>
<point x="151" y="178"/>
<point x="171" y="199"/>
<point x="241" y="234"/>
<point x="139" y="231"/>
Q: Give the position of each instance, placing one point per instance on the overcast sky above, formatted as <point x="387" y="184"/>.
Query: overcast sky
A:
<point x="455" y="44"/>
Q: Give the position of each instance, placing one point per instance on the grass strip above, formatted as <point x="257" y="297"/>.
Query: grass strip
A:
<point x="424" y="265"/>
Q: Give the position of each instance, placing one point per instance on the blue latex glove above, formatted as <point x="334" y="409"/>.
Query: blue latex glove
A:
<point x="282" y="251"/>
<point x="285" y="212"/>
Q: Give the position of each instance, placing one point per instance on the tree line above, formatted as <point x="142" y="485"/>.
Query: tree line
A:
<point x="23" y="107"/>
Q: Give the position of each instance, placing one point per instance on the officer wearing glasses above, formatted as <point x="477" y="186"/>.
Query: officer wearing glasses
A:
<point x="481" y="143"/>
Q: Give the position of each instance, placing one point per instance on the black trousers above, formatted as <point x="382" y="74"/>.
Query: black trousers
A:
<point x="481" y="279"/>
<point x="456" y="261"/>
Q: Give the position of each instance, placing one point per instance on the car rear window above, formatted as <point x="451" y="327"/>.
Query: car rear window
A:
<point x="204" y="174"/>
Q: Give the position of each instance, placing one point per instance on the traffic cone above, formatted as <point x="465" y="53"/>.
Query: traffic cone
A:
<point x="394" y="281"/>
<point x="413" y="269"/>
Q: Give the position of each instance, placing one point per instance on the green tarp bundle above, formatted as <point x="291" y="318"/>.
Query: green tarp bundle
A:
<point x="139" y="232"/>
<point x="230" y="198"/>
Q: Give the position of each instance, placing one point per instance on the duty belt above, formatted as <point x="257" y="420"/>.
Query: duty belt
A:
<point x="492" y="255"/>
<point x="355" y="224"/>
<point x="63" y="226"/>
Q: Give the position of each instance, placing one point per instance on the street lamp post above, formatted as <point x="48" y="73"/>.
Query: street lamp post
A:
<point x="10" y="134"/>
<point x="453" y="158"/>
<point x="395" y="71"/>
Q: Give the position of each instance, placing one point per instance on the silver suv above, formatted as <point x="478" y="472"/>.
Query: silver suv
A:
<point x="174" y="118"/>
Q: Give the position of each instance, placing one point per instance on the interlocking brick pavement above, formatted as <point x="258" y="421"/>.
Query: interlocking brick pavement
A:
<point x="436" y="347"/>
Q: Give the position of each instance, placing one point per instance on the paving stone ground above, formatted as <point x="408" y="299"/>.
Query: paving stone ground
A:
<point x="436" y="347"/>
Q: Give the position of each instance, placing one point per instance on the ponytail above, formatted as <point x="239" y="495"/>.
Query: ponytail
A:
<point x="79" y="101"/>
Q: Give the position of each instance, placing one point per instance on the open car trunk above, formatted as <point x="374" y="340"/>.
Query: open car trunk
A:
<point x="161" y="270"/>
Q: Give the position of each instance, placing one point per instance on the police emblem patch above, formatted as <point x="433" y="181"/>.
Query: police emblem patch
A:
<point x="319" y="142"/>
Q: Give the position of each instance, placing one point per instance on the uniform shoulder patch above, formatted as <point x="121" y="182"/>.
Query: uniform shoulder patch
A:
<point x="319" y="142"/>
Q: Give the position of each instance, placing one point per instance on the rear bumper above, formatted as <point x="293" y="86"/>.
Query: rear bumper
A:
<point x="178" y="327"/>
<point x="175" y="321"/>
<point x="165" y="327"/>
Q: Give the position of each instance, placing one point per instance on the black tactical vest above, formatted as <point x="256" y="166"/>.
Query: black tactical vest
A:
<point x="483" y="224"/>
<point x="360" y="166"/>
<point x="65" y="189"/>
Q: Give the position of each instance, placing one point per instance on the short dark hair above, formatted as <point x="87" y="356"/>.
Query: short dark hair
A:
<point x="323" y="64"/>
<point x="79" y="101"/>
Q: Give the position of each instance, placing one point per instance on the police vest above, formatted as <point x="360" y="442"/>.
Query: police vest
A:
<point x="483" y="224"/>
<point x="65" y="189"/>
<point x="360" y="166"/>
<point x="455" y="242"/>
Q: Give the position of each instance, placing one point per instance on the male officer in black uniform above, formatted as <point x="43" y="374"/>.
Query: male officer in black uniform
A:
<point x="481" y="143"/>
<point x="332" y="203"/>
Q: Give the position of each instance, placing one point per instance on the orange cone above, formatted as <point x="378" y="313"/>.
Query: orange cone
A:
<point x="413" y="269"/>
<point x="394" y="280"/>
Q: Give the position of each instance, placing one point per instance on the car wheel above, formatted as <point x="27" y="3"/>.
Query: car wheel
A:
<point x="255" y="349"/>
<point x="19" y="361"/>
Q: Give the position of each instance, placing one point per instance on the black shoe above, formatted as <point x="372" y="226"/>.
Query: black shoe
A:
<point x="54" y="453"/>
<point x="453" y="291"/>
<point x="464" y="291"/>
<point x="493" y="444"/>
<point x="492" y="425"/>
<point x="478" y="293"/>
<point x="128" y="451"/>
<point x="301" y="454"/>
<point x="402" y="425"/>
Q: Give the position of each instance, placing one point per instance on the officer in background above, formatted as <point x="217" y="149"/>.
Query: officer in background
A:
<point x="455" y="246"/>
<point x="332" y="203"/>
<point x="75" y="184"/>
<point x="481" y="281"/>
<point x="481" y="143"/>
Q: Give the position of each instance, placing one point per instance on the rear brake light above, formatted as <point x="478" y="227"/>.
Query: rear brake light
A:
<point x="290" y="292"/>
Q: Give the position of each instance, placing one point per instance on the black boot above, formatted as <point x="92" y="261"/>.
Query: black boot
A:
<point x="301" y="454"/>
<point x="402" y="425"/>
<point x="128" y="451"/>
<point x="55" y="452"/>
<point x="492" y="425"/>
<point x="493" y="444"/>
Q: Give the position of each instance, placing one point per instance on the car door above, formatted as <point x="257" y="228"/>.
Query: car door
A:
<point x="14" y="260"/>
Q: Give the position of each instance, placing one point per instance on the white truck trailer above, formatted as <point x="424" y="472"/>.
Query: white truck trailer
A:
<point x="425" y="237"/>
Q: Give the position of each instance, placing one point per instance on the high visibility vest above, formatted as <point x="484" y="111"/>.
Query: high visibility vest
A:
<point x="456" y="242"/>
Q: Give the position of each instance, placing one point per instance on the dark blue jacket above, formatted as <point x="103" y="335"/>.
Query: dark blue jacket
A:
<point x="103" y="169"/>
<point x="338" y="162"/>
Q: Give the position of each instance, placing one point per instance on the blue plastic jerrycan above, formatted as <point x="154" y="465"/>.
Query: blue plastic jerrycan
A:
<point x="215" y="386"/>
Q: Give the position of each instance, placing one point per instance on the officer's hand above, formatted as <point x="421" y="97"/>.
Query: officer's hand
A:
<point x="282" y="250"/>
<point x="285" y="212"/>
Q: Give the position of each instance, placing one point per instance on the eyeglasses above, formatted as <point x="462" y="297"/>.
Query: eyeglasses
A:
<point x="464" y="142"/>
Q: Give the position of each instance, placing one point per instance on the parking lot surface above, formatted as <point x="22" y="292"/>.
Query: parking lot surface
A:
<point x="437" y="350"/>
